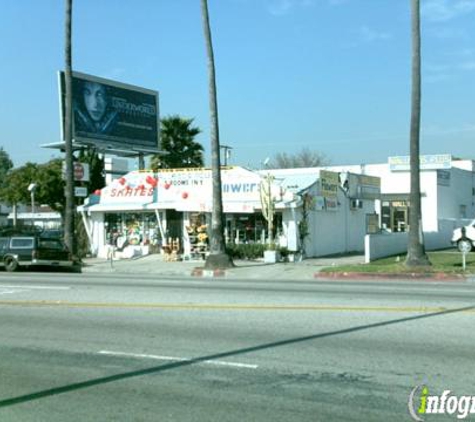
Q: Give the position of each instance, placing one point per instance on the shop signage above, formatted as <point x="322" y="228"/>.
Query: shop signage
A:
<point x="331" y="204"/>
<point x="192" y="189"/>
<point x="134" y="188"/>
<point x="329" y="182"/>
<point x="188" y="190"/>
<point x="426" y="162"/>
<point x="443" y="178"/>
<point x="362" y="186"/>
<point x="319" y="203"/>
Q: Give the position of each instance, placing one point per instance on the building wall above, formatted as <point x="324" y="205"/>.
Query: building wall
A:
<point x="339" y="231"/>
<point x="459" y="193"/>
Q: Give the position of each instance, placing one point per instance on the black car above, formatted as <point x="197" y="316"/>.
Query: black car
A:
<point x="26" y="250"/>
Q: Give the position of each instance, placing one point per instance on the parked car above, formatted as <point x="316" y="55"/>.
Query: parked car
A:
<point x="31" y="249"/>
<point x="464" y="237"/>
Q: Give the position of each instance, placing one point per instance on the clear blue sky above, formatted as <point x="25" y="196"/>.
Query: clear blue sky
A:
<point x="330" y="75"/>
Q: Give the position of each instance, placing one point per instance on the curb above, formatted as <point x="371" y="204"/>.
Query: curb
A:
<point x="201" y="272"/>
<point x="390" y="276"/>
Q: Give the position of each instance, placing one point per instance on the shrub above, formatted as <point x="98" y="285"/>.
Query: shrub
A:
<point x="246" y="250"/>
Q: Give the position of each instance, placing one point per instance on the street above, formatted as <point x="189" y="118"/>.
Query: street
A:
<point x="125" y="347"/>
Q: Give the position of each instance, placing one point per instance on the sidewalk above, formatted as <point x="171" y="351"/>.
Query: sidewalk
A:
<point x="249" y="270"/>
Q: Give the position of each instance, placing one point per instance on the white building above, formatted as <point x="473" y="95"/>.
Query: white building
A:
<point x="146" y="209"/>
<point x="447" y="190"/>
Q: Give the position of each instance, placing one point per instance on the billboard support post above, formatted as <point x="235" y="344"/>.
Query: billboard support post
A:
<point x="141" y="161"/>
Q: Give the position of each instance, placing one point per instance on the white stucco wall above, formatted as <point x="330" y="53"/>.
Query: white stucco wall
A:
<point x="96" y="222"/>
<point x="459" y="192"/>
<point x="388" y="244"/>
<point x="339" y="231"/>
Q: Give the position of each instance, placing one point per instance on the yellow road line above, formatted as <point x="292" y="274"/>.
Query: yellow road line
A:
<point x="231" y="307"/>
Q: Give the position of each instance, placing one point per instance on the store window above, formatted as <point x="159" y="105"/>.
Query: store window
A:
<point x="141" y="228"/>
<point x="251" y="228"/>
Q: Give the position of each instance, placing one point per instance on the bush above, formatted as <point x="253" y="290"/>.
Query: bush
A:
<point x="246" y="250"/>
<point x="284" y="252"/>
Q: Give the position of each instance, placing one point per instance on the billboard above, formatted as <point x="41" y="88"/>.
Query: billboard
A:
<point x="111" y="114"/>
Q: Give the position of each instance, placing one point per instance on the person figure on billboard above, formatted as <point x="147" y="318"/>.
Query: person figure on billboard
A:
<point x="93" y="110"/>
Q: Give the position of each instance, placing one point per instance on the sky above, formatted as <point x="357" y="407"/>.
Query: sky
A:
<point x="332" y="76"/>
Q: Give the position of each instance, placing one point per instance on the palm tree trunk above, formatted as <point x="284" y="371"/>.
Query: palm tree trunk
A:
<point x="218" y="258"/>
<point x="69" y="189"/>
<point x="416" y="255"/>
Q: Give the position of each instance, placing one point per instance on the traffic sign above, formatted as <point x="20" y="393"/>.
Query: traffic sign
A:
<point x="80" y="172"/>
<point x="80" y="191"/>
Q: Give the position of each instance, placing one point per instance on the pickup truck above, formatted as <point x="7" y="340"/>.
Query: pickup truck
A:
<point x="464" y="237"/>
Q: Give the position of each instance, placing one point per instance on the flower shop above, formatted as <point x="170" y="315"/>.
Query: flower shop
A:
<point x="169" y="212"/>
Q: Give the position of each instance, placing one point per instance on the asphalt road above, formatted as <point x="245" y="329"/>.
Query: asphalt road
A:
<point x="83" y="347"/>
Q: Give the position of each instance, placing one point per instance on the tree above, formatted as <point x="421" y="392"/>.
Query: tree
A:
<point x="305" y="158"/>
<point x="50" y="185"/>
<point x="6" y="165"/>
<point x="70" y="211"/>
<point x="218" y="258"/>
<point x="15" y="187"/>
<point x="416" y="255"/>
<point x="178" y="139"/>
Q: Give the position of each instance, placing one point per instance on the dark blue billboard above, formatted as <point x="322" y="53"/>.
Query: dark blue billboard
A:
<point x="110" y="114"/>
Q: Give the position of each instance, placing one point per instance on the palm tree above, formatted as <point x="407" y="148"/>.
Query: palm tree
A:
<point x="178" y="139"/>
<point x="218" y="258"/>
<point x="69" y="214"/>
<point x="416" y="255"/>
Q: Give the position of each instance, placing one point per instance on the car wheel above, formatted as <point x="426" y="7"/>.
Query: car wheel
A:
<point x="11" y="264"/>
<point x="464" y="245"/>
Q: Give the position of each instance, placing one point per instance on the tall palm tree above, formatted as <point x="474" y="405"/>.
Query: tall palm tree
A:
<point x="177" y="137"/>
<point x="218" y="258"/>
<point x="69" y="214"/>
<point x="416" y="255"/>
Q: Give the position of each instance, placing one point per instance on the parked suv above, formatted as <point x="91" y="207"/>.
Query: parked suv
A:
<point x="464" y="237"/>
<point x="31" y="249"/>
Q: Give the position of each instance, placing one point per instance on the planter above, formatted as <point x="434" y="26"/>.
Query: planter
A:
<point x="271" y="257"/>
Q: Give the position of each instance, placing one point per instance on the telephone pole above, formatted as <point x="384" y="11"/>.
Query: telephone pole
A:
<point x="227" y="153"/>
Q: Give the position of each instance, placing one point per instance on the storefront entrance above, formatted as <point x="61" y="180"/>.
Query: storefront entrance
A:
<point x="395" y="215"/>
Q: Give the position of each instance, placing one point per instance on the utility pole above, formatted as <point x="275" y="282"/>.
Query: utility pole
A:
<point x="227" y="153"/>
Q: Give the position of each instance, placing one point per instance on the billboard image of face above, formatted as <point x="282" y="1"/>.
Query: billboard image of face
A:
<point x="110" y="113"/>
<point x="92" y="111"/>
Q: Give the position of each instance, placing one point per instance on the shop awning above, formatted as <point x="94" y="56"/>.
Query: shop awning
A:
<point x="114" y="207"/>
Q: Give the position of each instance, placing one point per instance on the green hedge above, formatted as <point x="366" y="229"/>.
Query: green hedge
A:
<point x="250" y="250"/>
<point x="246" y="250"/>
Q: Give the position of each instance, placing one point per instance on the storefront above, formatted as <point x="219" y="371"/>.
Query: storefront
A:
<point x="170" y="212"/>
<point x="171" y="209"/>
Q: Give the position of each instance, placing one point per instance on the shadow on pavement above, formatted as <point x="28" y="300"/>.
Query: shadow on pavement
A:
<point x="156" y="369"/>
